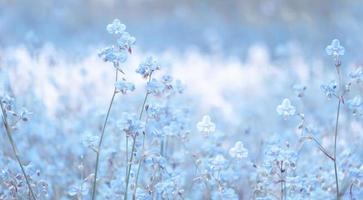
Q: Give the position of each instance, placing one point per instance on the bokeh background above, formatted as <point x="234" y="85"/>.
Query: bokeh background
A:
<point x="237" y="59"/>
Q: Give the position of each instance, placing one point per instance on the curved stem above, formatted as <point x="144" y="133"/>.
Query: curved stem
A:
<point x="98" y="152"/>
<point x="13" y="146"/>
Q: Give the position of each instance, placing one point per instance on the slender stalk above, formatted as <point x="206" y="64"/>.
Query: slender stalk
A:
<point x="337" y="65"/>
<point x="13" y="146"/>
<point x="98" y="152"/>
<point x="335" y="149"/>
<point x="133" y="147"/>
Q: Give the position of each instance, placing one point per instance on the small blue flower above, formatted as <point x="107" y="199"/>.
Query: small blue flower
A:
<point x="285" y="109"/>
<point x="206" y="126"/>
<point x="335" y="49"/>
<point x="357" y="74"/>
<point x="113" y="54"/>
<point x="148" y="66"/>
<point x="330" y="89"/>
<point x="238" y="151"/>
<point x="116" y="27"/>
<point x="126" y="41"/>
<point x="131" y="125"/>
<point x="124" y="86"/>
<point x="155" y="87"/>
<point x="355" y="104"/>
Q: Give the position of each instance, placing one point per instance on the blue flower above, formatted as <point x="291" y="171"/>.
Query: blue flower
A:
<point x="206" y="126"/>
<point x="148" y="66"/>
<point x="285" y="109"/>
<point x="357" y="74"/>
<point x="126" y="41"/>
<point x="355" y="104"/>
<point x="116" y="27"/>
<point x="330" y="89"/>
<point x="131" y="125"/>
<point x="124" y="86"/>
<point x="114" y="55"/>
<point x="335" y="49"/>
<point x="155" y="87"/>
<point x="238" y="151"/>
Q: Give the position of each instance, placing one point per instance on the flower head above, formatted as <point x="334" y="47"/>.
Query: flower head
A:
<point x="124" y="86"/>
<point x="116" y="27"/>
<point x="330" y="89"/>
<point x="238" y="151"/>
<point x="286" y="109"/>
<point x="357" y="74"/>
<point x="155" y="87"/>
<point x="131" y="124"/>
<point x="206" y="126"/>
<point x="355" y="104"/>
<point x="335" y="49"/>
<point x="148" y="66"/>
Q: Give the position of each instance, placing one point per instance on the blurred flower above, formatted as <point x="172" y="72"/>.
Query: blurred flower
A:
<point x="116" y="27"/>
<point x="79" y="189"/>
<point x="206" y="126"/>
<point x="131" y="124"/>
<point x="218" y="162"/>
<point x="113" y="54"/>
<point x="238" y="151"/>
<point x="148" y="66"/>
<point x="330" y="90"/>
<point x="335" y="49"/>
<point x="355" y="104"/>
<point x="124" y="86"/>
<point x="286" y="109"/>
<point x="357" y="74"/>
<point x="155" y="87"/>
<point x="299" y="90"/>
<point x="126" y="41"/>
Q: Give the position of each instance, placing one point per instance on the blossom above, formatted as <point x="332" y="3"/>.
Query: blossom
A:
<point x="206" y="126"/>
<point x="286" y="109"/>
<point x="147" y="67"/>
<point x="124" y="86"/>
<point x="238" y="151"/>
<point x="218" y="162"/>
<point x="330" y="89"/>
<point x="357" y="74"/>
<point x="113" y="54"/>
<point x="299" y="90"/>
<point x="355" y="104"/>
<point x="116" y="27"/>
<point x="126" y="41"/>
<point x="335" y="49"/>
<point x="155" y="87"/>
<point x="131" y="125"/>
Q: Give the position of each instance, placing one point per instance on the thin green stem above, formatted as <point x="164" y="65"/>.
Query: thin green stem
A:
<point x="13" y="146"/>
<point x="98" y="152"/>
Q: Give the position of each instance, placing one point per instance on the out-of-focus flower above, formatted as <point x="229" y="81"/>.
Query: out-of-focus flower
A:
<point x="285" y="109"/>
<point x="299" y="90"/>
<point x="124" y="86"/>
<point x="155" y="87"/>
<point x="218" y="162"/>
<point x="148" y="66"/>
<point x="357" y="74"/>
<point x="131" y="124"/>
<point x="206" y="126"/>
<point x="113" y="54"/>
<point x="355" y="104"/>
<point x="238" y="151"/>
<point x="78" y="189"/>
<point x="330" y="89"/>
<point x="335" y="49"/>
<point x="126" y="41"/>
<point x="116" y="27"/>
